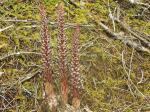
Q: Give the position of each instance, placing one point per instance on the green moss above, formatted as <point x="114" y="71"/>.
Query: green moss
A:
<point x="106" y="87"/>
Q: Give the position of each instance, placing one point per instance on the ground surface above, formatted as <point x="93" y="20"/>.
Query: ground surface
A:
<point x="115" y="73"/>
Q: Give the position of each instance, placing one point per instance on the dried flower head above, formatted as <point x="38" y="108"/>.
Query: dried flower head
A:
<point x="50" y="95"/>
<point x="46" y="51"/>
<point x="62" y="53"/>
<point x="75" y="67"/>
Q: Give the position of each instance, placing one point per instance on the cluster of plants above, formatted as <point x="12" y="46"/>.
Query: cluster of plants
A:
<point x="115" y="76"/>
<point x="50" y="94"/>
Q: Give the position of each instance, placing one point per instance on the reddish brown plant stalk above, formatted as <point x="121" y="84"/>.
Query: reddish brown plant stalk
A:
<point x="46" y="58"/>
<point x="62" y="54"/>
<point x="75" y="68"/>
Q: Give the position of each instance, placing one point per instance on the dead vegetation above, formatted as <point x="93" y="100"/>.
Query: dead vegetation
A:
<point x="114" y="56"/>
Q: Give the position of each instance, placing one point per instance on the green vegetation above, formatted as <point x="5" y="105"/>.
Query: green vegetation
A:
<point x="115" y="76"/>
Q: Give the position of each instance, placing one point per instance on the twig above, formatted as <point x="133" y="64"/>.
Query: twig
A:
<point x="18" y="53"/>
<point x="51" y="23"/>
<point x="111" y="16"/>
<point x="3" y="110"/>
<point x="129" y="79"/>
<point x="3" y="97"/>
<point x="144" y="4"/>
<point x="130" y="69"/>
<point x="124" y="67"/>
<point x="142" y="77"/>
<point x="17" y="20"/>
<point x="29" y="76"/>
<point x="6" y="28"/>
<point x="23" y="79"/>
<point x="135" y="45"/>
<point x="6" y="108"/>
<point x="133" y="33"/>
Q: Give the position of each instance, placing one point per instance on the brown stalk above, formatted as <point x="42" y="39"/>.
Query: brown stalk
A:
<point x="62" y="54"/>
<point x="50" y="95"/>
<point x="75" y="68"/>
